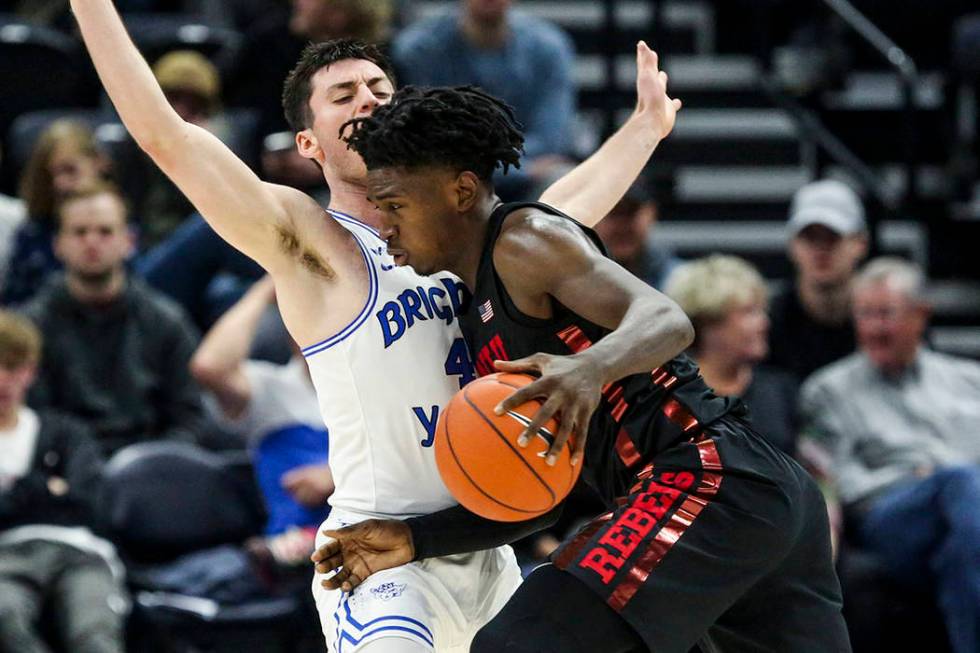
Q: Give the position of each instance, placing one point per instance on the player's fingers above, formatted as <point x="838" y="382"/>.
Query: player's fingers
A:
<point x="527" y="364"/>
<point x="677" y="104"/>
<point x="578" y="445"/>
<point x="522" y="396"/>
<point x="545" y="413"/>
<point x="352" y="581"/>
<point x="327" y="549"/>
<point x="663" y="78"/>
<point x="564" y="432"/>
<point x="336" y="581"/>
<point x="329" y="564"/>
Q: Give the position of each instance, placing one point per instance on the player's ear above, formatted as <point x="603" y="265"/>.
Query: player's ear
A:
<point x="308" y="146"/>
<point x="467" y="189"/>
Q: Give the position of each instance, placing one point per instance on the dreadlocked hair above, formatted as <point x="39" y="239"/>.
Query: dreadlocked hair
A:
<point x="461" y="128"/>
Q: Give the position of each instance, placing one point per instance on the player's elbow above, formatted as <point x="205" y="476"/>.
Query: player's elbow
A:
<point x="678" y="327"/>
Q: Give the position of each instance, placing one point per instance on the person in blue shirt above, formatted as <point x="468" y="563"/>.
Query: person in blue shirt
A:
<point x="525" y="61"/>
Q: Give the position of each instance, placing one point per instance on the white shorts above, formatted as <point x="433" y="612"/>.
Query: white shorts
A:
<point x="440" y="602"/>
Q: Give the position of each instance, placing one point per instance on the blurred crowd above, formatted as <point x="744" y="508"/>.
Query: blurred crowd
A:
<point x="131" y="333"/>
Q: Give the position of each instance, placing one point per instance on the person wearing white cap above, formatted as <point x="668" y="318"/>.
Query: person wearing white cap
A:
<point x="827" y="239"/>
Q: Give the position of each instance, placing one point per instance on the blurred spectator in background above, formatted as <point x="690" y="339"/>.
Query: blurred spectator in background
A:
<point x="12" y="215"/>
<point x="725" y="298"/>
<point x="192" y="86"/>
<point x="50" y="562"/>
<point x="522" y="60"/>
<point x="275" y="411"/>
<point x="65" y="159"/>
<point x="901" y="426"/>
<point x="628" y="233"/>
<point x="272" y="47"/>
<point x="811" y="319"/>
<point x="116" y="352"/>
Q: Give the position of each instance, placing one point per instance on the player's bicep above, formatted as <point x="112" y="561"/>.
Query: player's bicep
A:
<point x="239" y="206"/>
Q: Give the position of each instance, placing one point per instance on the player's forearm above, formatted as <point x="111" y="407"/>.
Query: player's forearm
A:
<point x="650" y="334"/>
<point x="125" y="75"/>
<point x="590" y="191"/>
<point x="457" y="530"/>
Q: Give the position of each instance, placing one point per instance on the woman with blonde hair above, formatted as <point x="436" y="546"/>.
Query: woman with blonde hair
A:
<point x="65" y="159"/>
<point x="726" y="299"/>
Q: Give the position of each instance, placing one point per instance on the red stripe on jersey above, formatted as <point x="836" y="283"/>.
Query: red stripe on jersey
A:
<point x="680" y="416"/>
<point x="626" y="448"/>
<point x="575" y="339"/>
<point x="679" y="522"/>
<point x="619" y="409"/>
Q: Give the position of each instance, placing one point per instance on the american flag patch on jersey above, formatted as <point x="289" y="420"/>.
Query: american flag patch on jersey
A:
<point x="486" y="311"/>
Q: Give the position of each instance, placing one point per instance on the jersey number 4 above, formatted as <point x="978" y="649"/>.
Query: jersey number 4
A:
<point x="458" y="363"/>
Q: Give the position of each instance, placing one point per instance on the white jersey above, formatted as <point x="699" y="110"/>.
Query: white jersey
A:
<point x="383" y="379"/>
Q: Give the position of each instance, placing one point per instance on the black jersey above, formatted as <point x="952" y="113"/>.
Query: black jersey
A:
<point x="638" y="417"/>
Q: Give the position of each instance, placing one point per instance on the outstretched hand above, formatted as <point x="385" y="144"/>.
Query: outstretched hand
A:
<point x="569" y="386"/>
<point x="651" y="92"/>
<point x="362" y="549"/>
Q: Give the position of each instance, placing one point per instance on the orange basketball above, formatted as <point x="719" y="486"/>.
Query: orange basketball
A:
<point x="481" y="463"/>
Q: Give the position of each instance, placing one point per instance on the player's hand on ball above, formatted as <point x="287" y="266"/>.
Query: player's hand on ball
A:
<point x="363" y="549"/>
<point x="569" y="386"/>
<point x="651" y="92"/>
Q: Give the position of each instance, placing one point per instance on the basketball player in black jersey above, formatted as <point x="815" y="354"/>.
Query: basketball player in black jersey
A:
<point x="712" y="537"/>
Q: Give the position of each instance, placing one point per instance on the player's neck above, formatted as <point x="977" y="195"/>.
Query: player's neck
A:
<point x="351" y="198"/>
<point x="472" y="236"/>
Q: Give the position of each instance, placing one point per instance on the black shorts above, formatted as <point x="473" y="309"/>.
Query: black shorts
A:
<point x="722" y="542"/>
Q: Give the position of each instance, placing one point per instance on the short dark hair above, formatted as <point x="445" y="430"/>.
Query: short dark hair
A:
<point x="460" y="127"/>
<point x="316" y="56"/>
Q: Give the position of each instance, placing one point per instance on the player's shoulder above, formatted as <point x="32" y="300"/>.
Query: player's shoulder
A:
<point x="532" y="238"/>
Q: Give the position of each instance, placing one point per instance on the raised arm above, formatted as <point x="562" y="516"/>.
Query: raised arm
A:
<point x="590" y="191"/>
<point x="241" y="208"/>
<point x="544" y="259"/>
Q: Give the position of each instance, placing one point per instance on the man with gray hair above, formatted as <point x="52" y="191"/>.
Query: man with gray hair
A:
<point x="811" y="324"/>
<point x="901" y="425"/>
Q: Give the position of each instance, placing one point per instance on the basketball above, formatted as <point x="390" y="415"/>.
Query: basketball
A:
<point x="483" y="466"/>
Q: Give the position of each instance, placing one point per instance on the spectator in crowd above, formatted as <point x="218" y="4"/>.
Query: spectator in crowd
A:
<point x="65" y="159"/>
<point x="272" y="47"/>
<point x="725" y="298"/>
<point x="522" y="60"/>
<point x="116" y="352"/>
<point x="900" y="424"/>
<point x="192" y="86"/>
<point x="628" y="233"/>
<point x="275" y="411"/>
<point x="49" y="559"/>
<point x="811" y="323"/>
<point x="12" y="215"/>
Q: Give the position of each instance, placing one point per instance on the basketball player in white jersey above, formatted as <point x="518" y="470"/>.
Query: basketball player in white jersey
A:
<point x="382" y="343"/>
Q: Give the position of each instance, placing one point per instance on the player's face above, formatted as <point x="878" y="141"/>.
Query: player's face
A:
<point x="346" y="89"/>
<point x="94" y="240"/>
<point x="889" y="325"/>
<point x="824" y="257"/>
<point x="418" y="213"/>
